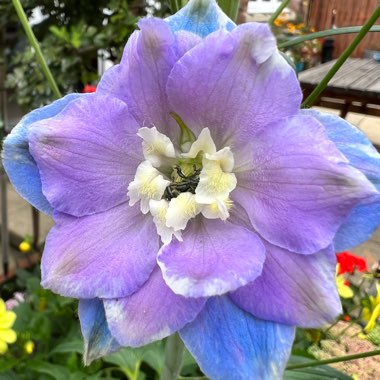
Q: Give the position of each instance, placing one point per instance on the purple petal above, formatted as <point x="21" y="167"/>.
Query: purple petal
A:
<point x="185" y="42"/>
<point x="293" y="289"/>
<point x="18" y="162"/>
<point x="230" y="81"/>
<point x="214" y="258"/>
<point x="152" y="313"/>
<point x="140" y="78"/>
<point x="362" y="155"/>
<point x="229" y="343"/>
<point x="296" y="187"/>
<point x="106" y="255"/>
<point x="98" y="340"/>
<point x="87" y="155"/>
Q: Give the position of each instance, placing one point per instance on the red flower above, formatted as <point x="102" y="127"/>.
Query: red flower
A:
<point x="348" y="263"/>
<point x="89" y="88"/>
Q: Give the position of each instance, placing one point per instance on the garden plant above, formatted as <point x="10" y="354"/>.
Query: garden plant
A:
<point x="198" y="210"/>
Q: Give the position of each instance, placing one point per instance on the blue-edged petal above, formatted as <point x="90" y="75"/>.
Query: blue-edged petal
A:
<point x="296" y="187"/>
<point x="87" y="155"/>
<point x="362" y="155"/>
<point x="105" y="255"/>
<point x="98" y="340"/>
<point x="152" y="313"/>
<point x="19" y="163"/>
<point x="201" y="17"/>
<point x="229" y="343"/>
<point x="293" y="289"/>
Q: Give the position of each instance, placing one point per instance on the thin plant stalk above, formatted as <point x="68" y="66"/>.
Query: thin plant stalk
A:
<point x="36" y="46"/>
<point x="335" y="360"/>
<point x="230" y="8"/>
<point x="281" y="7"/>
<point x="173" y="358"/>
<point x="325" y="33"/>
<point x="338" y="64"/>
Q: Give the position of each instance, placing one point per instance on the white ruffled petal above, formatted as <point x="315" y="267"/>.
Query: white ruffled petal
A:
<point x="214" y="183"/>
<point x="156" y="146"/>
<point x="225" y="159"/>
<point x="217" y="210"/>
<point x="158" y="210"/>
<point x="148" y="184"/>
<point x="204" y="143"/>
<point x="181" y="210"/>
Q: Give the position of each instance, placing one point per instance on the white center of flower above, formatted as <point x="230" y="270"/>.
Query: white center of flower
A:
<point x="176" y="186"/>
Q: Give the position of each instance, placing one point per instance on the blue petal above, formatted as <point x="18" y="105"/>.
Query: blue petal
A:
<point x="359" y="227"/>
<point x="201" y="17"/>
<point x="229" y="343"/>
<point x="98" y="340"/>
<point x="18" y="162"/>
<point x="361" y="154"/>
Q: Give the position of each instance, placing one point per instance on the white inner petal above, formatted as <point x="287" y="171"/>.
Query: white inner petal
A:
<point x="204" y="143"/>
<point x="159" y="210"/>
<point x="170" y="197"/>
<point x="217" y="210"/>
<point x="156" y="146"/>
<point x="148" y="184"/>
<point x="181" y="210"/>
<point x="214" y="183"/>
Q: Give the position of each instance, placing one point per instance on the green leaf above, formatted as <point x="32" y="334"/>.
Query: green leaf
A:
<point x="128" y="359"/>
<point x="57" y="372"/>
<point x="155" y="355"/>
<point x="312" y="373"/>
<point x="68" y="347"/>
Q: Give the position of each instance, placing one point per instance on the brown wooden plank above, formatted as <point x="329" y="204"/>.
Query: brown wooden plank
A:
<point x="350" y="69"/>
<point x="353" y="70"/>
<point x="370" y="75"/>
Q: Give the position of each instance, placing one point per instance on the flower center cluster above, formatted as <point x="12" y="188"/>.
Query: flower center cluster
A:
<point x="177" y="185"/>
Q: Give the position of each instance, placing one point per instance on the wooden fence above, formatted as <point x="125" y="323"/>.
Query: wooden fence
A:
<point x="348" y="13"/>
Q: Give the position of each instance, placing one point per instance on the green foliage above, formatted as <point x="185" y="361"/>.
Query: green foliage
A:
<point x="51" y="323"/>
<point x="72" y="36"/>
<point x="323" y="372"/>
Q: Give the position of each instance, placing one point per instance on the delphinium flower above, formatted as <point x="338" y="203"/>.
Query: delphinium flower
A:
<point x="191" y="195"/>
<point x="7" y="335"/>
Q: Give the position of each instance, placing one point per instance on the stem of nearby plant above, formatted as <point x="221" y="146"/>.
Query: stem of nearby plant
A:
<point x="230" y="8"/>
<point x="278" y="11"/>
<point x="173" y="358"/>
<point x="33" y="41"/>
<point x="173" y="4"/>
<point x="322" y="85"/>
<point x="335" y="360"/>
<point x="323" y="34"/>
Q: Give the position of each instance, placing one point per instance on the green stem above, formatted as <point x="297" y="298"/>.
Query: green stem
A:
<point x="33" y="41"/>
<point x="173" y="358"/>
<point x="325" y="33"/>
<point x="230" y="8"/>
<point x="173" y="4"/>
<point x="322" y="85"/>
<point x="278" y="11"/>
<point x="335" y="360"/>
